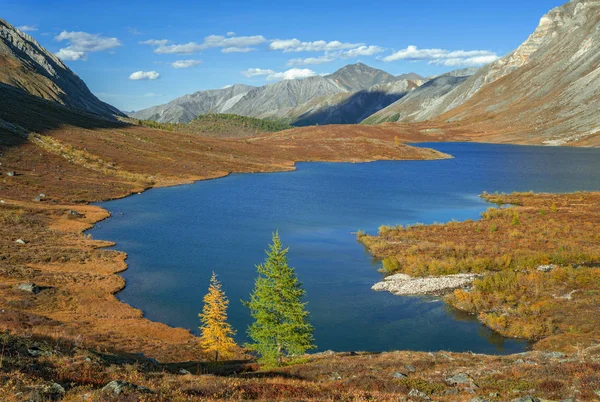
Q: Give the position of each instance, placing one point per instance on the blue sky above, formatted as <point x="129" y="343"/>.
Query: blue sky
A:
<point x="205" y="45"/>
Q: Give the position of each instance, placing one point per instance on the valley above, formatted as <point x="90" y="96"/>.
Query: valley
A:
<point x="70" y="331"/>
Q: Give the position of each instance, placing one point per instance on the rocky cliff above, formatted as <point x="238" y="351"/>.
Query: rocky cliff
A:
<point x="26" y="65"/>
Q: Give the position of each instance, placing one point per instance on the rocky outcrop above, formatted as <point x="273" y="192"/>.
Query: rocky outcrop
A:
<point x="26" y="65"/>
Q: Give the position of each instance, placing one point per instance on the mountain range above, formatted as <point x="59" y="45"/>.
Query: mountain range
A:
<point x="545" y="92"/>
<point x="347" y="96"/>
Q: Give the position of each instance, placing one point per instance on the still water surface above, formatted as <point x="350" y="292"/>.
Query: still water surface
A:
<point x="175" y="237"/>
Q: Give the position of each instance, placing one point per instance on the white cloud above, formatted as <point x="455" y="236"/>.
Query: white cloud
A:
<point x="230" y="33"/>
<point x="294" y="45"/>
<point x="362" y="51"/>
<point x="188" y="48"/>
<point x="311" y="61"/>
<point x="154" y="42"/>
<point x="444" y="57"/>
<point x="81" y="43"/>
<point x="237" y="49"/>
<point x="70" y="55"/>
<point x="28" y="28"/>
<point x="330" y="56"/>
<point x="85" y="42"/>
<point x="239" y="44"/>
<point x="185" y="63"/>
<point x="292" y="74"/>
<point x="256" y="72"/>
<point x="234" y="41"/>
<point x="467" y="61"/>
<point x="144" y="75"/>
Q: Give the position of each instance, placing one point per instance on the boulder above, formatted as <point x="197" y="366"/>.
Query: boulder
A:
<point x="75" y="214"/>
<point x="35" y="351"/>
<point x="415" y="393"/>
<point x="459" y="379"/>
<point x="546" y="268"/>
<point x="398" y="374"/>
<point x="119" y="387"/>
<point x="29" y="287"/>
<point x="11" y="174"/>
<point x="21" y="242"/>
<point x="51" y="392"/>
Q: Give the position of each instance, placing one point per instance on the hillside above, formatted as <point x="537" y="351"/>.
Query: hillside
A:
<point x="415" y="105"/>
<point x="553" y="96"/>
<point x="346" y="96"/>
<point x="544" y="92"/>
<point x="188" y="107"/>
<point x="27" y="66"/>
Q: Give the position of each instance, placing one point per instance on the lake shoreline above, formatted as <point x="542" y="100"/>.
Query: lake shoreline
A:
<point x="122" y="329"/>
<point x="95" y="301"/>
<point x="158" y="330"/>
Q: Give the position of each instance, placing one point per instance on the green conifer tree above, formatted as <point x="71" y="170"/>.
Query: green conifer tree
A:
<point x="281" y="326"/>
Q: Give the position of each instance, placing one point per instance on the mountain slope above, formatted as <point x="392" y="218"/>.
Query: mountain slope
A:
<point x="415" y="105"/>
<point x="275" y="100"/>
<point x="186" y="108"/>
<point x="353" y="107"/>
<point x="553" y="97"/>
<point x="346" y="96"/>
<point x="26" y="65"/>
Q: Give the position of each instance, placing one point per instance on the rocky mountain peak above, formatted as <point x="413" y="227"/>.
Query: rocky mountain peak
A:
<point x="26" y="65"/>
<point x="359" y="76"/>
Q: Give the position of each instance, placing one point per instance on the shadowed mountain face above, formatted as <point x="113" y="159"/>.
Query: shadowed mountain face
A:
<point x="545" y="91"/>
<point x="26" y="65"/>
<point x="346" y="96"/>
<point x="415" y="105"/>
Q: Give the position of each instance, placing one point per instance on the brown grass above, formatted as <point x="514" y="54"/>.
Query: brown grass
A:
<point x="324" y="377"/>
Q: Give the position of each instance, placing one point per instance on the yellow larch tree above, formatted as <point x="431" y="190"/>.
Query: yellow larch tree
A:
<point x="217" y="334"/>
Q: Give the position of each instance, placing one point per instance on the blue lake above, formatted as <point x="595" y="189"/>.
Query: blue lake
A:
<point x="175" y="237"/>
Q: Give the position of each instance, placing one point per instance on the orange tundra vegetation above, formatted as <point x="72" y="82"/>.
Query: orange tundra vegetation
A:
<point x="70" y="337"/>
<point x="539" y="260"/>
